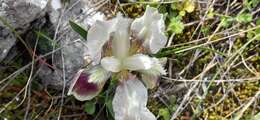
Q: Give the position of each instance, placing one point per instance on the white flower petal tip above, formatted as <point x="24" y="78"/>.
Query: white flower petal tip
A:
<point x="130" y="102"/>
<point x="88" y="84"/>
<point x="150" y="28"/>
<point x="151" y="76"/>
<point x="111" y="64"/>
<point x="138" y="62"/>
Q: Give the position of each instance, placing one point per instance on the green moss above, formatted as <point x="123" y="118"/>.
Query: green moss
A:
<point x="243" y="91"/>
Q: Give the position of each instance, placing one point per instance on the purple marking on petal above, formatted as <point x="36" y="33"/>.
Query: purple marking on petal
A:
<point x="83" y="87"/>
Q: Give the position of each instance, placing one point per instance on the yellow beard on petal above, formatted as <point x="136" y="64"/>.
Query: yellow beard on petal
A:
<point x="107" y="49"/>
<point x="136" y="47"/>
<point x="122" y="75"/>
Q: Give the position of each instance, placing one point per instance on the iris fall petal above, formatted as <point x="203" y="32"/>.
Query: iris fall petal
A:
<point x="150" y="77"/>
<point x="88" y="83"/>
<point x="111" y="64"/>
<point x="130" y="101"/>
<point x="138" y="62"/>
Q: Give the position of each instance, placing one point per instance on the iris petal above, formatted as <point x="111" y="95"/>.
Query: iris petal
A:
<point x="150" y="28"/>
<point x="138" y="62"/>
<point x="98" y="35"/>
<point x="111" y="64"/>
<point x="149" y="80"/>
<point x="156" y="38"/>
<point x="130" y="101"/>
<point x="121" y="42"/>
<point x="88" y="83"/>
<point x="150" y="77"/>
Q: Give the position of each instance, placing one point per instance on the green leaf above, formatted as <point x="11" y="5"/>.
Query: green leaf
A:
<point x="244" y="18"/>
<point x="255" y="3"/>
<point x="109" y="99"/>
<point x="164" y="113"/>
<point x="256" y="117"/>
<point x="250" y="34"/>
<point x="110" y="107"/>
<point x="79" y="29"/>
<point x="205" y="30"/>
<point x="253" y="33"/>
<point x="258" y="21"/>
<point x="176" y="25"/>
<point x="257" y="31"/>
<point x="212" y="50"/>
<point x="90" y="107"/>
<point x="43" y="35"/>
<point x="251" y="3"/>
<point x="225" y="21"/>
<point x="45" y="42"/>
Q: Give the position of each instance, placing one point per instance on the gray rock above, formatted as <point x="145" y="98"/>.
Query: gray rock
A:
<point x="19" y="14"/>
<point x="7" y="40"/>
<point x="73" y="54"/>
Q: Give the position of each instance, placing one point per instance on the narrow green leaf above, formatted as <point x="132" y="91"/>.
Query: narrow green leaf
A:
<point x="169" y="51"/>
<point x="79" y="29"/>
<point x="40" y="34"/>
<point x="212" y="50"/>
<point x="110" y="107"/>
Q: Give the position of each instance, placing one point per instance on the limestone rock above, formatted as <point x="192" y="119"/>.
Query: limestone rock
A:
<point x="73" y="53"/>
<point x="19" y="14"/>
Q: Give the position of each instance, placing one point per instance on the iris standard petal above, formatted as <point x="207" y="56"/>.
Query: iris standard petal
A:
<point x="157" y="40"/>
<point x="111" y="64"/>
<point x="137" y="26"/>
<point x="120" y="36"/>
<point x="151" y="15"/>
<point x="150" y="77"/>
<point x="138" y="62"/>
<point x="150" y="29"/>
<point x="98" y="35"/>
<point x="88" y="83"/>
<point x="130" y="101"/>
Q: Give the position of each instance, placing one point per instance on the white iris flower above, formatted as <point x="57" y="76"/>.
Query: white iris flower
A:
<point x="120" y="46"/>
